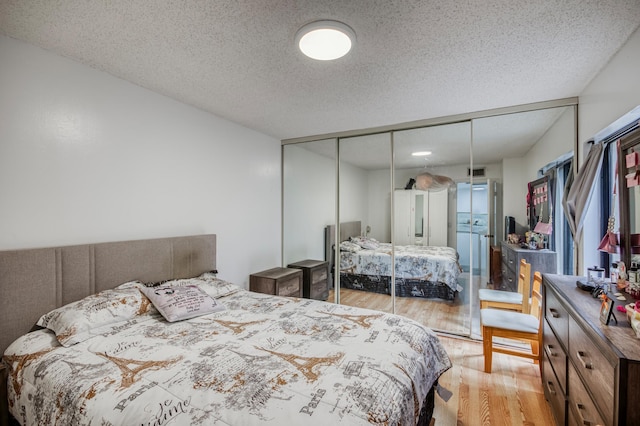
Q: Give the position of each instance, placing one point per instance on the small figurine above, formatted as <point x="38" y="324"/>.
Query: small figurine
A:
<point x="622" y="275"/>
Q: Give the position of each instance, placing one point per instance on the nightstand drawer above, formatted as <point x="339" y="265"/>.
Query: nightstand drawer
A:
<point x="290" y="287"/>
<point x="319" y="291"/>
<point x="319" y="275"/>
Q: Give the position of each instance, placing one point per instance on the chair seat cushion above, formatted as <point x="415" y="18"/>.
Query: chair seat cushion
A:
<point x="509" y="320"/>
<point x="500" y="296"/>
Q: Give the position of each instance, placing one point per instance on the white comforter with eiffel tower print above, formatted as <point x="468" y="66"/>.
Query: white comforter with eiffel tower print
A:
<point x="262" y="360"/>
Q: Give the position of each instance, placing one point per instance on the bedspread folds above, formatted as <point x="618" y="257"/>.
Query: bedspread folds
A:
<point x="265" y="359"/>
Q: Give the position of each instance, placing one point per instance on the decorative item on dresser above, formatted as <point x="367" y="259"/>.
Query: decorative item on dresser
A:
<point x="543" y="261"/>
<point x="590" y="371"/>
<point x="315" y="278"/>
<point x="278" y="281"/>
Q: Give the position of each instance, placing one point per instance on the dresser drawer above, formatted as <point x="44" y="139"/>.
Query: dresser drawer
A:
<point x="552" y="391"/>
<point x="508" y="279"/>
<point x="583" y="409"/>
<point x="289" y="287"/>
<point x="557" y="317"/>
<point x="556" y="356"/>
<point x="512" y="260"/>
<point x="595" y="369"/>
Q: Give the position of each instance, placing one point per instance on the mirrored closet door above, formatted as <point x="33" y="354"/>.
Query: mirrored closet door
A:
<point x="309" y="212"/>
<point x="430" y="285"/>
<point x="509" y="151"/>
<point x="366" y="266"/>
<point x="372" y="203"/>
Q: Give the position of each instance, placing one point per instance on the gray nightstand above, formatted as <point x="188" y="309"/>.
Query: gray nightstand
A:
<point x="315" y="278"/>
<point x="277" y="281"/>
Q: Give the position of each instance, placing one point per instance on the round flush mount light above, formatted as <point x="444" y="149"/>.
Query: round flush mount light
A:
<point x="421" y="153"/>
<point x="325" y="40"/>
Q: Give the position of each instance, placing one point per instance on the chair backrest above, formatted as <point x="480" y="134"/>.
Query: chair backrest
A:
<point x="536" y="296"/>
<point x="524" y="283"/>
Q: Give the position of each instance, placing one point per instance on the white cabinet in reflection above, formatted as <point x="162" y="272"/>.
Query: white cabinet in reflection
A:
<point x="420" y="217"/>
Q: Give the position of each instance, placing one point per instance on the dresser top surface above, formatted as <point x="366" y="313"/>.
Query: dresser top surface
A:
<point x="620" y="336"/>
<point x="516" y="247"/>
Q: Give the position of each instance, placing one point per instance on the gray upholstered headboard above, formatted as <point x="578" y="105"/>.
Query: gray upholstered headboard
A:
<point x="347" y="230"/>
<point x="35" y="281"/>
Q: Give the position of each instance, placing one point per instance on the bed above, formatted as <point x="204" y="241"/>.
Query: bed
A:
<point x="420" y="271"/>
<point x="105" y="351"/>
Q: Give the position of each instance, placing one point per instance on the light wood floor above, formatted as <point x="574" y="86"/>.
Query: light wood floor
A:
<point x="511" y="395"/>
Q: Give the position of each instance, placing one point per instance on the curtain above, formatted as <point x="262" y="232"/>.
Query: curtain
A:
<point x="577" y="192"/>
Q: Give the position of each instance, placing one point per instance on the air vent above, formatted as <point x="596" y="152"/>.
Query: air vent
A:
<point x="477" y="172"/>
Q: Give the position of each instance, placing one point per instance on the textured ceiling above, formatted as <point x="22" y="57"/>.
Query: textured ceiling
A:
<point x="412" y="60"/>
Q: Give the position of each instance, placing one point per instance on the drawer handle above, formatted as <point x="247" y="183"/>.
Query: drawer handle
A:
<point x="554" y="313"/>
<point x="548" y="349"/>
<point x="550" y="388"/>
<point x="584" y="363"/>
<point x="584" y="422"/>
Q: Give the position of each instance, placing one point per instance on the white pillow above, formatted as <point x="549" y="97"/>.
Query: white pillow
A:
<point x="96" y="314"/>
<point x="350" y="247"/>
<point x="214" y="287"/>
<point x="366" y="242"/>
<point x="177" y="303"/>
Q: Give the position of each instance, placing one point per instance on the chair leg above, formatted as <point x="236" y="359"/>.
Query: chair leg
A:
<point x="487" y="350"/>
<point x="535" y="350"/>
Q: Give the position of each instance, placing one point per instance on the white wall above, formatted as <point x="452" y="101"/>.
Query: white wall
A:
<point x="555" y="143"/>
<point x="309" y="205"/>
<point x="514" y="189"/>
<point x="611" y="94"/>
<point x="87" y="157"/>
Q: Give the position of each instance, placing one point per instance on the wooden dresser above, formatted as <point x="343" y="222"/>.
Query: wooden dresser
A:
<point x="315" y="278"/>
<point x="590" y="372"/>
<point x="544" y="261"/>
<point x="278" y="281"/>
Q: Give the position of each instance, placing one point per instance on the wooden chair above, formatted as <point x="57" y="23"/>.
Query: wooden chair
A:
<point x="514" y="325"/>
<point x="509" y="299"/>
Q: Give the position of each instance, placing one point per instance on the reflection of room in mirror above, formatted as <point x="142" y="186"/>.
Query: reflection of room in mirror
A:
<point x="508" y="148"/>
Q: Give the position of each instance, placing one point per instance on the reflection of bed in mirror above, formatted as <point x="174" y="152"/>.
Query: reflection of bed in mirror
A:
<point x="420" y="271"/>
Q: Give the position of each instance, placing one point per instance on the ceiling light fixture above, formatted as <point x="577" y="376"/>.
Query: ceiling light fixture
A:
<point x="421" y="153"/>
<point x="325" y="40"/>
